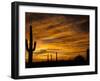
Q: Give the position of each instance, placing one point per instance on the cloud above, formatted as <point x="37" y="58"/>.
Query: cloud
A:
<point x="69" y="32"/>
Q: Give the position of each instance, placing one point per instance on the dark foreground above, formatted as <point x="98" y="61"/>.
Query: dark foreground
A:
<point x="57" y="63"/>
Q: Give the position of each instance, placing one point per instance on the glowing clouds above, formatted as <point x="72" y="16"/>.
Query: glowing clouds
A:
<point x="68" y="33"/>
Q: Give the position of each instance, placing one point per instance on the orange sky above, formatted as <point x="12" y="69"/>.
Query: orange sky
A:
<point x="66" y="34"/>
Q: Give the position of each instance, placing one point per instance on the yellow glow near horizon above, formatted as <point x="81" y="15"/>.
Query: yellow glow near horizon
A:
<point x="59" y="33"/>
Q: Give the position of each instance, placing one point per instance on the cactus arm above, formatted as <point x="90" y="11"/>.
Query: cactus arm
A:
<point x="26" y="43"/>
<point x="34" y="46"/>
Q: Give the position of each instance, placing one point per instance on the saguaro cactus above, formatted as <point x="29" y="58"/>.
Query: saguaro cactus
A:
<point x="30" y="47"/>
<point x="56" y="56"/>
<point x="88" y="55"/>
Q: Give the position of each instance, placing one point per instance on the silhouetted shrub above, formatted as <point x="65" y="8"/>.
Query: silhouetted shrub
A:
<point x="79" y="60"/>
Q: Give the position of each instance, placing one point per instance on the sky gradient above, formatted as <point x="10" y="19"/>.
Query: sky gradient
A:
<point x="66" y="34"/>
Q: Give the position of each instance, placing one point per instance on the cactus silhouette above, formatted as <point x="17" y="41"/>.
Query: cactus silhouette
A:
<point x="30" y="47"/>
<point x="56" y="56"/>
<point x="88" y="55"/>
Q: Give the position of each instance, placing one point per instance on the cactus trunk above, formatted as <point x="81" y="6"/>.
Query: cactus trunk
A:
<point x="30" y="47"/>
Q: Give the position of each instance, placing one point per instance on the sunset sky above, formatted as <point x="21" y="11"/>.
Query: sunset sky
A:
<point x="66" y="34"/>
